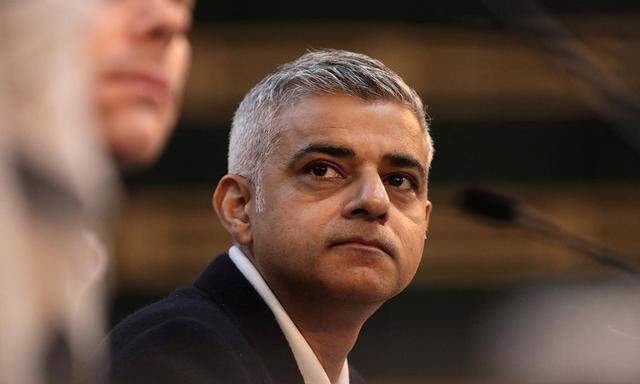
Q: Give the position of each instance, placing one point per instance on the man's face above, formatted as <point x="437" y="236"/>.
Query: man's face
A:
<point x="139" y="54"/>
<point x="345" y="199"/>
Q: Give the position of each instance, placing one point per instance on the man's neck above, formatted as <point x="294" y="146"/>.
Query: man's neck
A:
<point x="330" y="327"/>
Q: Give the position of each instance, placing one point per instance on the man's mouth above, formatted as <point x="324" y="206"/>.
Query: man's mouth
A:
<point x="370" y="245"/>
<point x="141" y="84"/>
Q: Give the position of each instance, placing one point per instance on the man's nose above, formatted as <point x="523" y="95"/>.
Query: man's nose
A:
<point x="369" y="200"/>
<point x="160" y="20"/>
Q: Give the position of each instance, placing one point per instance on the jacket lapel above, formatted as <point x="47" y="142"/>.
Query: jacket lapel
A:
<point x="229" y="288"/>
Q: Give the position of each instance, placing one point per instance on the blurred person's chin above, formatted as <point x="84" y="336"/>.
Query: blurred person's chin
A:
<point x="135" y="137"/>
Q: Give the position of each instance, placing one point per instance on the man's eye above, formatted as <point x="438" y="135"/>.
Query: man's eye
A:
<point x="323" y="170"/>
<point x="400" y="182"/>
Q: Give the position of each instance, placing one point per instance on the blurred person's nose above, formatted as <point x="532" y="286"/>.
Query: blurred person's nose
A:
<point x="370" y="200"/>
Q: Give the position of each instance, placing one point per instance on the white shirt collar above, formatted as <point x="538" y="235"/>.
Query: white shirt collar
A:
<point x="308" y="363"/>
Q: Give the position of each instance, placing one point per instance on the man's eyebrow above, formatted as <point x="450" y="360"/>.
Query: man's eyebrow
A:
<point x="405" y="161"/>
<point x="327" y="149"/>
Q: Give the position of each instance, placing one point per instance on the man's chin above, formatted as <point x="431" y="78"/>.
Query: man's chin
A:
<point x="359" y="274"/>
<point x="362" y="284"/>
<point x="135" y="140"/>
<point x="134" y="159"/>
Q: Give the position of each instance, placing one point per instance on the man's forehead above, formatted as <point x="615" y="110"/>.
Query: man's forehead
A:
<point x="350" y="121"/>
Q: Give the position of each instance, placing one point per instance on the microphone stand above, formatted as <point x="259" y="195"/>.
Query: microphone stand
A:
<point x="502" y="209"/>
<point x="590" y="248"/>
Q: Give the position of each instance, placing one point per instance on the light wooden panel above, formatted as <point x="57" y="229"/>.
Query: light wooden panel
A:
<point x="462" y="73"/>
<point x="166" y="236"/>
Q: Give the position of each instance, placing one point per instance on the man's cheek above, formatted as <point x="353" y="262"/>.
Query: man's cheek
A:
<point x="179" y="64"/>
<point x="413" y="243"/>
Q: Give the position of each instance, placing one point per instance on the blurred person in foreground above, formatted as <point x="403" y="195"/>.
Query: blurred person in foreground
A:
<point x="139" y="54"/>
<point x="326" y="199"/>
<point x="57" y="183"/>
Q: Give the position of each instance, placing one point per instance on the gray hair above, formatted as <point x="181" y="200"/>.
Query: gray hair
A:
<point x="255" y="131"/>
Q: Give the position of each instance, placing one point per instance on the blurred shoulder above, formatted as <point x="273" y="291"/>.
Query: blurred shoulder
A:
<point x="186" y="333"/>
<point x="187" y="311"/>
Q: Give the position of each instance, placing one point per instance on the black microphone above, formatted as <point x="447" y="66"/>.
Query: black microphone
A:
<point x="504" y="210"/>
<point x="488" y="204"/>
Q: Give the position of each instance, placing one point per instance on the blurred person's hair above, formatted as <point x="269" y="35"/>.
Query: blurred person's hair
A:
<point x="255" y="130"/>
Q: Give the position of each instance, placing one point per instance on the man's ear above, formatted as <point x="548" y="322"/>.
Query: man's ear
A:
<point x="231" y="201"/>
<point x="427" y="212"/>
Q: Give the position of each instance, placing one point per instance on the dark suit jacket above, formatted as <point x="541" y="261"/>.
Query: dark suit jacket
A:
<point x="217" y="331"/>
